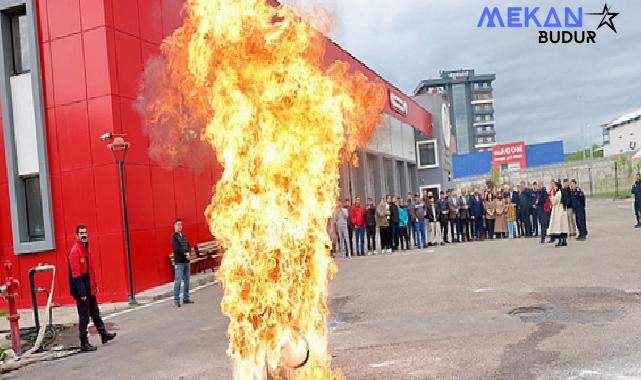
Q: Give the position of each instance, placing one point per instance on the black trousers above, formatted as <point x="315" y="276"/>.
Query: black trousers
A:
<point x="444" y="222"/>
<point x="89" y="308"/>
<point x="637" y="211"/>
<point x="581" y="222"/>
<point x="370" y="231"/>
<point x="525" y="222"/>
<point x="350" y="232"/>
<point x="544" y="217"/>
<point x="404" y="237"/>
<point x="490" y="228"/>
<point x="384" y="232"/>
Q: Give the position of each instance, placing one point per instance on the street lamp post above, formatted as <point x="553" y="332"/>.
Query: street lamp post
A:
<point x="119" y="148"/>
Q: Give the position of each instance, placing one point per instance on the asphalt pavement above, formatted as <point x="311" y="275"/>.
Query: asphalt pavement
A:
<point x="496" y="309"/>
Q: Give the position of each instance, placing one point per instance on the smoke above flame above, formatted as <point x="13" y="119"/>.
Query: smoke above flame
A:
<point x="247" y="78"/>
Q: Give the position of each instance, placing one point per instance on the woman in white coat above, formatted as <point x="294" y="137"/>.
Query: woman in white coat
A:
<point x="559" y="227"/>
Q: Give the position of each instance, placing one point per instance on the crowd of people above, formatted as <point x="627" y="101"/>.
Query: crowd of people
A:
<point x="527" y="210"/>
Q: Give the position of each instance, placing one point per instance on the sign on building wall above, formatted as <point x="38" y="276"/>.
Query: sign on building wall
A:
<point x="508" y="156"/>
<point x="397" y="103"/>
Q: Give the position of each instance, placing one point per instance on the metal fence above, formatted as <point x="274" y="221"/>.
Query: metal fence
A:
<point x="600" y="177"/>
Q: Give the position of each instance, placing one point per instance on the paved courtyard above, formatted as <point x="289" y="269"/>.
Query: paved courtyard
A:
<point x="498" y="309"/>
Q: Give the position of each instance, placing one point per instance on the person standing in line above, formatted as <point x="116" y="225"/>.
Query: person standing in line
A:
<point x="490" y="214"/>
<point x="559" y="226"/>
<point x="464" y="215"/>
<point x="382" y="220"/>
<point x="432" y="219"/>
<point x="535" y="208"/>
<point x="578" y="205"/>
<point x="426" y="224"/>
<point x="454" y="205"/>
<point x="411" y="228"/>
<point x="83" y="289"/>
<point x="341" y="217"/>
<point x="350" y="226"/>
<point x="525" y="207"/>
<point x="357" y="219"/>
<point x="569" y="207"/>
<point x="390" y="230"/>
<point x="370" y="226"/>
<point x="510" y="215"/>
<point x="419" y="211"/>
<point x="551" y="194"/>
<point x="516" y="200"/>
<point x="181" y="248"/>
<point x="544" y="216"/>
<point x="477" y="213"/>
<point x="443" y="210"/>
<point x="500" y="219"/>
<point x="394" y="220"/>
<point x="403" y="218"/>
<point x="636" y="191"/>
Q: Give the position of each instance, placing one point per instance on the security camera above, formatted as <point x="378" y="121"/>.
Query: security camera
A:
<point x="105" y="136"/>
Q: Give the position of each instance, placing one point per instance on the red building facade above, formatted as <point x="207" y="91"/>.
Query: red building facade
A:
<point x="91" y="55"/>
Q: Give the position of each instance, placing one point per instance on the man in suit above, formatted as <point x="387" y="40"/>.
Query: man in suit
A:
<point x="535" y="209"/>
<point x="455" y="221"/>
<point x="477" y="212"/>
<point x="525" y="206"/>
<point x="443" y="210"/>
<point x="464" y="215"/>
<point x="543" y="215"/>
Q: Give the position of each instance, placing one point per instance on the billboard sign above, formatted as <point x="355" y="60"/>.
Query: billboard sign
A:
<point x="509" y="155"/>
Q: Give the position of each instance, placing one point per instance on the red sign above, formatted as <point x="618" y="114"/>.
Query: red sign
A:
<point x="510" y="153"/>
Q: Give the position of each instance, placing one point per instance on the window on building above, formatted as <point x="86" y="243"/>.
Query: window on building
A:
<point x="24" y="130"/>
<point x="19" y="40"/>
<point x="33" y="200"/>
<point x="427" y="154"/>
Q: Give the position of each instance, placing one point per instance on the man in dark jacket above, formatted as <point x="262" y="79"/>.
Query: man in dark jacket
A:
<point x="370" y="226"/>
<point x="180" y="247"/>
<point x="525" y="206"/>
<point x="543" y="215"/>
<point x="477" y="212"/>
<point x="393" y="222"/>
<point x="83" y="287"/>
<point x="636" y="191"/>
<point x="578" y="204"/>
<point x="443" y="210"/>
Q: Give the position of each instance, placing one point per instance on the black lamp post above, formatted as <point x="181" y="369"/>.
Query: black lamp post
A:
<point x="119" y="148"/>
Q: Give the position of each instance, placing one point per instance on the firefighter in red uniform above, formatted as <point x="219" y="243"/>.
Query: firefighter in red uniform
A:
<point x="82" y="284"/>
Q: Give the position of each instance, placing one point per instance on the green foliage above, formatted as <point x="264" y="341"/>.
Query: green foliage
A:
<point x="3" y="313"/>
<point x="584" y="154"/>
<point x="494" y="180"/>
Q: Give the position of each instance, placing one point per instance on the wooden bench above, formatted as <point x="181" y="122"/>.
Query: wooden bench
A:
<point x="197" y="261"/>
<point x="211" y="252"/>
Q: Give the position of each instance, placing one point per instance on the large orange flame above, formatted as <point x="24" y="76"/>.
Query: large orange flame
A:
<point x="247" y="77"/>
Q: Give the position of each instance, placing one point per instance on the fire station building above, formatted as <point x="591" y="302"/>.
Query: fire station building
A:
<point x="69" y="72"/>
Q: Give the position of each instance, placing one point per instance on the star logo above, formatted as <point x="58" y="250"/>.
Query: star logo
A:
<point x="607" y="18"/>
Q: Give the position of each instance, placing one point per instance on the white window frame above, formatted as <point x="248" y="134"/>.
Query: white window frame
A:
<point x="418" y="154"/>
<point x="437" y="185"/>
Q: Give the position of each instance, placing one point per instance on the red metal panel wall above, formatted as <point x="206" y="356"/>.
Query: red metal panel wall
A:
<point x="92" y="53"/>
